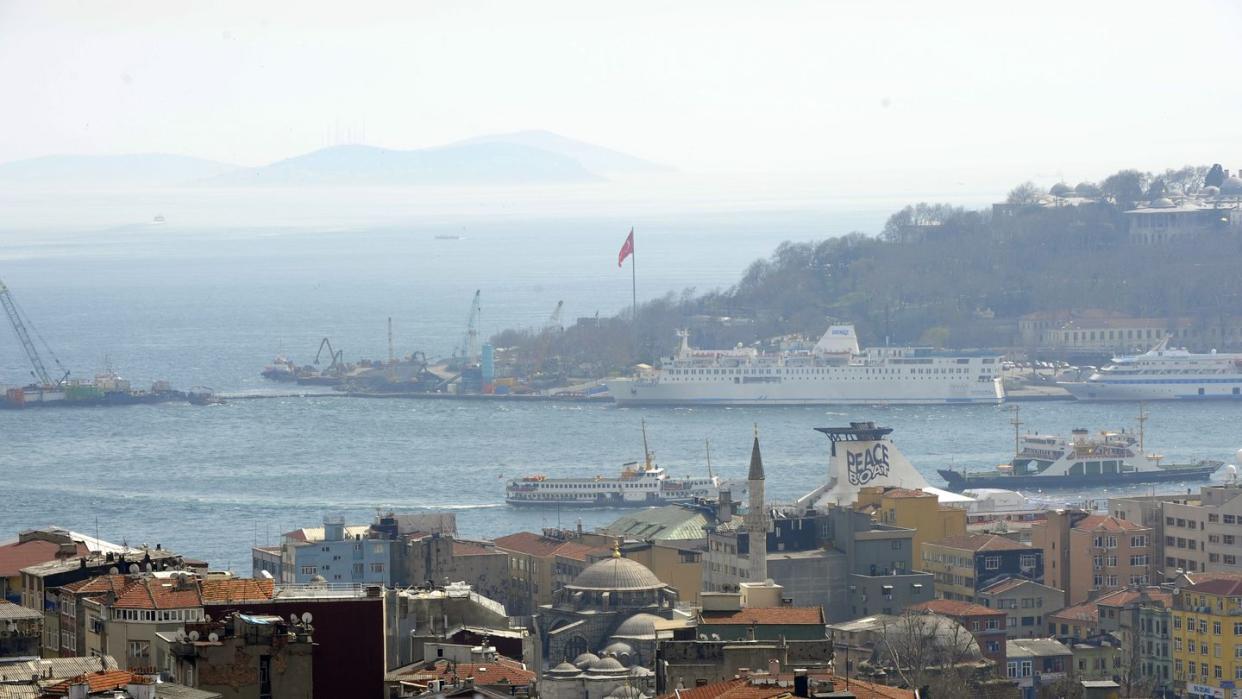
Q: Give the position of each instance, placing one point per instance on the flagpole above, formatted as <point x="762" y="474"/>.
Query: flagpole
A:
<point x="634" y="287"/>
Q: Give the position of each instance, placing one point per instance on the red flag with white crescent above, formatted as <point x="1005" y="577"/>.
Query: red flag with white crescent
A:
<point x="627" y="248"/>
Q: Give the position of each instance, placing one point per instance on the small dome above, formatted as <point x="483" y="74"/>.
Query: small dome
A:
<point x="317" y="579"/>
<point x="585" y="660"/>
<point x="1233" y="185"/>
<point x="564" y="669"/>
<point x="1211" y="191"/>
<point x="606" y="665"/>
<point x="1162" y="203"/>
<point x="626" y="692"/>
<point x="640" y="625"/>
<point x="618" y="648"/>
<point x="616" y="574"/>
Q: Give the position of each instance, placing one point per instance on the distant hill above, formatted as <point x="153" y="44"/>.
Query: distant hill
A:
<point x="595" y="158"/>
<point x="108" y="171"/>
<point x="489" y="163"/>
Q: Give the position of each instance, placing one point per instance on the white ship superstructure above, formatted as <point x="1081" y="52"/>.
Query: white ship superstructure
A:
<point x="834" y="371"/>
<point x="638" y="486"/>
<point x="1164" y="374"/>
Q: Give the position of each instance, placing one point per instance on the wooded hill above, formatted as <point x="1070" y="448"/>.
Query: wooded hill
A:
<point x="939" y="275"/>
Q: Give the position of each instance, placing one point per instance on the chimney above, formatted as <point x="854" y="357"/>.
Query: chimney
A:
<point x="79" y="688"/>
<point x="802" y="683"/>
<point x="774" y="667"/>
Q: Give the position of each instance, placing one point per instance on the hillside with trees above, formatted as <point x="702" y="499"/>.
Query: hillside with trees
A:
<point x="940" y="275"/>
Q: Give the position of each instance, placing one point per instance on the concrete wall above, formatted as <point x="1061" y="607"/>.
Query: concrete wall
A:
<point x="366" y="561"/>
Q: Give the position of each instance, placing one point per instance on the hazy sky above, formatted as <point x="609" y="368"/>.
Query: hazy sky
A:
<point x="1046" y="87"/>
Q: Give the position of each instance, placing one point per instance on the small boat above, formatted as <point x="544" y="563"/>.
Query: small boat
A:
<point x="281" y="369"/>
<point x="1110" y="458"/>
<point x="201" y="395"/>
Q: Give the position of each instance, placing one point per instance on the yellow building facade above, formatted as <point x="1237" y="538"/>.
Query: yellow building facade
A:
<point x="1207" y="639"/>
<point x="913" y="509"/>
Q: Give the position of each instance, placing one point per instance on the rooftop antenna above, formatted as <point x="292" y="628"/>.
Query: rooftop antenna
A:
<point x="390" y="352"/>
<point x="646" y="450"/>
<point x="1017" y="434"/>
<point x="708" y="444"/>
<point x="1142" y="418"/>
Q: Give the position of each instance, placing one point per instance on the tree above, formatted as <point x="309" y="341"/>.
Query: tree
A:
<point x="1156" y="190"/>
<point x="1087" y="189"/>
<point x="1025" y="194"/>
<point x="929" y="650"/>
<point x="1125" y="188"/>
<point x="1215" y="176"/>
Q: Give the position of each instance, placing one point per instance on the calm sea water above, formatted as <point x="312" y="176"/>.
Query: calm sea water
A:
<point x="212" y="306"/>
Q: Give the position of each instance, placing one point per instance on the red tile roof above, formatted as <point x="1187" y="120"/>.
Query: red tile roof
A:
<point x="956" y="608"/>
<point x="18" y="555"/>
<point x="529" y="543"/>
<point x="217" y="590"/>
<point x="471" y="548"/>
<point x="159" y="593"/>
<point x="907" y="493"/>
<point x="101" y="681"/>
<point x="1088" y="612"/>
<point x="763" y="687"/>
<point x="1107" y="523"/>
<point x="1218" y="586"/>
<point x="580" y="552"/>
<point x="979" y="542"/>
<point x="99" y="585"/>
<point x="765" y="615"/>
<point x="502" y="671"/>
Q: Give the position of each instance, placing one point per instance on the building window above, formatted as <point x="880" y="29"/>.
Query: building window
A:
<point x="991" y="562"/>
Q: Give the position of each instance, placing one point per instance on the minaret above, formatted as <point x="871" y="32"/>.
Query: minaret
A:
<point x="757" y="517"/>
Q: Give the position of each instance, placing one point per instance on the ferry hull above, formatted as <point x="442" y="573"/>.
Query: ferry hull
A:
<point x="600" y="503"/>
<point x="1168" y="389"/>
<point x="632" y="392"/>
<point x="957" y="482"/>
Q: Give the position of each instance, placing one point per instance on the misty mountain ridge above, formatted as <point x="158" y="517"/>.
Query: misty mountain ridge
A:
<point x="110" y="171"/>
<point x="520" y="158"/>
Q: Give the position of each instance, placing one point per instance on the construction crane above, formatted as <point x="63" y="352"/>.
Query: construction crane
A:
<point x="23" y="336"/>
<point x="554" y="320"/>
<point x="465" y="354"/>
<point x="337" y="356"/>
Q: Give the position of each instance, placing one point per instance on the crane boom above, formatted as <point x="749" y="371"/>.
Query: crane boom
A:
<point x="469" y="343"/>
<point x="32" y="352"/>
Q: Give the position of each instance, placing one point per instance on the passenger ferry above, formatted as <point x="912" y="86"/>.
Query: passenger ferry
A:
<point x="832" y="372"/>
<point x="639" y="485"/>
<point x="1164" y="374"/>
<point x="1112" y="458"/>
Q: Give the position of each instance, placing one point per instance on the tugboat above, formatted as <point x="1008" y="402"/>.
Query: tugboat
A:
<point x="1049" y="461"/>
<point x="639" y="485"/>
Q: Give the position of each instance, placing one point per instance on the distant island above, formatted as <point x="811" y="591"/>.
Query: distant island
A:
<point x="1160" y="247"/>
<point x="519" y="158"/>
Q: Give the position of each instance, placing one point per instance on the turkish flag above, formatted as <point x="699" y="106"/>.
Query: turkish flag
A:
<point x="627" y="248"/>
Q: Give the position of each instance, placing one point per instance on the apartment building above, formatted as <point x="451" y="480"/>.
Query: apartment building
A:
<point x="1207" y="638"/>
<point x="1089" y="555"/>
<point x="1026" y="603"/>
<point x="913" y="509"/>
<point x="1192" y="533"/>
<point x="964" y="565"/>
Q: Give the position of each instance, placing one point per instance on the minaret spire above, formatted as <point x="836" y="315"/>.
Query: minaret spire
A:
<point x="757" y="516"/>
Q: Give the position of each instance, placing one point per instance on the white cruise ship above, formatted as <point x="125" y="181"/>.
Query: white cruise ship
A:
<point x="1164" y="374"/>
<point x="832" y="372"/>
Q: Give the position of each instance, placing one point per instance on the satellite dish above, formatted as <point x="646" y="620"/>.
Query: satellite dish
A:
<point x="206" y="617"/>
<point x="293" y="618"/>
<point x="113" y="571"/>
<point x="133" y="568"/>
<point x="193" y="635"/>
<point x="213" y="637"/>
<point x="265" y="575"/>
<point x="306" y="617"/>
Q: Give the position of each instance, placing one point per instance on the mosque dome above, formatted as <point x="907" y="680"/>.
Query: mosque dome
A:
<point x="1233" y="185"/>
<point x="565" y="669"/>
<point x="607" y="665"/>
<point x="585" y="660"/>
<point x="616" y="574"/>
<point x="1163" y="203"/>
<point x="641" y="625"/>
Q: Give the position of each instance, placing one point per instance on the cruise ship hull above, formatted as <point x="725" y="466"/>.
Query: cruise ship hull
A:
<point x="596" y="503"/>
<point x="883" y="392"/>
<point x="1156" y="389"/>
<point x="957" y="482"/>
